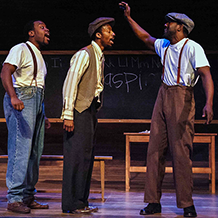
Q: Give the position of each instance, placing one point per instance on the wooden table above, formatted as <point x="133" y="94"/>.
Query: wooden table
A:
<point x="208" y="138"/>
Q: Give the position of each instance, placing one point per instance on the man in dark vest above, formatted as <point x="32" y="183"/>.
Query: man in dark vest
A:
<point x="81" y="100"/>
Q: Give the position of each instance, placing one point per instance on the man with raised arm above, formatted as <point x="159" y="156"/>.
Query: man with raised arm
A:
<point x="172" y="124"/>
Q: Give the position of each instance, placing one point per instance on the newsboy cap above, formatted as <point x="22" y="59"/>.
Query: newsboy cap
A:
<point x="98" y="23"/>
<point x="181" y="18"/>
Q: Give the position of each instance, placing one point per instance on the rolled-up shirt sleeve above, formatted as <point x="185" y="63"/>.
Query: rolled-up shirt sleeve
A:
<point x="78" y="65"/>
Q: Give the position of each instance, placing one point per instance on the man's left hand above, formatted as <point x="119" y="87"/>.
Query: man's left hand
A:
<point x="47" y="123"/>
<point x="208" y="113"/>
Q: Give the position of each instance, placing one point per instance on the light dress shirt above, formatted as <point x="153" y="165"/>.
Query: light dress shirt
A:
<point x="78" y="65"/>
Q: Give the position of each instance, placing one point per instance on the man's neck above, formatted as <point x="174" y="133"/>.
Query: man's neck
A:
<point x="176" y="39"/>
<point x="35" y="43"/>
<point x="99" y="44"/>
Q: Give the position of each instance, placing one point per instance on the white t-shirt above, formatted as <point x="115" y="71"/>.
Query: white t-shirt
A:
<point x="21" y="57"/>
<point x="193" y="57"/>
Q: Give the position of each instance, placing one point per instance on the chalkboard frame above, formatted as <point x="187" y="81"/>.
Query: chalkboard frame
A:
<point x="118" y="53"/>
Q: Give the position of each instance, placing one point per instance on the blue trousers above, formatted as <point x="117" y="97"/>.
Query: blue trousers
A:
<point x="25" y="142"/>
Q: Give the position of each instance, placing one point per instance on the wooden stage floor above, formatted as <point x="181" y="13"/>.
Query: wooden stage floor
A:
<point x="118" y="203"/>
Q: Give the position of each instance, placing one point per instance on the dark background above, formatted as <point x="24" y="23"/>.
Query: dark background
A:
<point x="130" y="90"/>
<point x="68" y="20"/>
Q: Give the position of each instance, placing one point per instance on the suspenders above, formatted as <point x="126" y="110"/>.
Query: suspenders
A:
<point x="180" y="56"/>
<point x="35" y="65"/>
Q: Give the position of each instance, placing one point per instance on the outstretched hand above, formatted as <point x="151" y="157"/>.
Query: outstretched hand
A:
<point x="126" y="8"/>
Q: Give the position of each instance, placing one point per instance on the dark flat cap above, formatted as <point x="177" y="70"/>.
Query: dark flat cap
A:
<point x="181" y="18"/>
<point x="98" y="23"/>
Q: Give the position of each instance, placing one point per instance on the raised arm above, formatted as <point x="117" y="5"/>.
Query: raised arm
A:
<point x="139" y="32"/>
<point x="7" y="71"/>
<point x="208" y="86"/>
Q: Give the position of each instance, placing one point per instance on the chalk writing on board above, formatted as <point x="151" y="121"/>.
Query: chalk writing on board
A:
<point x="132" y="62"/>
<point x="54" y="62"/>
<point x="132" y="71"/>
<point x="128" y="79"/>
<point x="57" y="63"/>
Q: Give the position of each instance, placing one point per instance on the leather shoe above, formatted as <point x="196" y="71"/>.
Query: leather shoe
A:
<point x="78" y="211"/>
<point x="151" y="209"/>
<point x="190" y="211"/>
<point x="34" y="204"/>
<point x="89" y="209"/>
<point x="18" y="207"/>
<point x="92" y="209"/>
<point x="71" y="211"/>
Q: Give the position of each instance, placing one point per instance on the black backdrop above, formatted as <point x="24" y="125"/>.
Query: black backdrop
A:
<point x="131" y="86"/>
<point x="68" y="20"/>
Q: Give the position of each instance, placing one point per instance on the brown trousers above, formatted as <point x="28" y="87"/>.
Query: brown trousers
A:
<point x="172" y="127"/>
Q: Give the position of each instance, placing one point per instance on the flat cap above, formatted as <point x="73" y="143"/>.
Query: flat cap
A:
<point x="181" y="18"/>
<point x="93" y="26"/>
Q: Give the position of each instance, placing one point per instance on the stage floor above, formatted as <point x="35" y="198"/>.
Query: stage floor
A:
<point x="118" y="203"/>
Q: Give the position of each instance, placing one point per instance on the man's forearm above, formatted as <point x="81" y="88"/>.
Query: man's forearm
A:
<point x="7" y="71"/>
<point x="7" y="84"/>
<point x="139" y="32"/>
<point x="208" y="86"/>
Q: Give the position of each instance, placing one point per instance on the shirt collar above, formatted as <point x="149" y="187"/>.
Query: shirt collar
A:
<point x="35" y="49"/>
<point x="179" y="44"/>
<point x="97" y="50"/>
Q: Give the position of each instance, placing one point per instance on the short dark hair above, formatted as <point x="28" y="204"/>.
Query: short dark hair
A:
<point x="185" y="31"/>
<point x="99" y="30"/>
<point x="28" y="27"/>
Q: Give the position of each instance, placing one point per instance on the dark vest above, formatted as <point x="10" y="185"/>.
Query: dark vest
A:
<point x="88" y="83"/>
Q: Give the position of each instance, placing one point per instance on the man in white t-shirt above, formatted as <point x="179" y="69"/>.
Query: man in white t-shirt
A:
<point x="23" y="77"/>
<point x="172" y="125"/>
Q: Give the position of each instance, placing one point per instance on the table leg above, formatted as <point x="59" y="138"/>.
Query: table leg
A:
<point x="102" y="169"/>
<point x="127" y="163"/>
<point x="213" y="181"/>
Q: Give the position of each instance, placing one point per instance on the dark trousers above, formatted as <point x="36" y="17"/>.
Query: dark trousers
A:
<point x="172" y="127"/>
<point x="78" y="159"/>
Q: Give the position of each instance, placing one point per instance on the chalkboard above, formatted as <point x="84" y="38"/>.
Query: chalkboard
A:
<point x="131" y="85"/>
